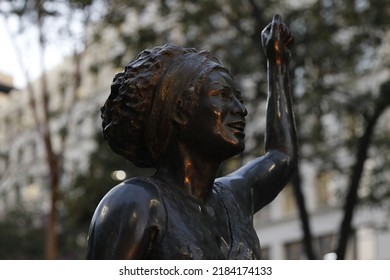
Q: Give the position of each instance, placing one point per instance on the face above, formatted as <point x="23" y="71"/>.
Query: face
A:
<point x="216" y="127"/>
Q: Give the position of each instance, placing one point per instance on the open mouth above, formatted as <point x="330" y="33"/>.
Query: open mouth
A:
<point x="239" y="126"/>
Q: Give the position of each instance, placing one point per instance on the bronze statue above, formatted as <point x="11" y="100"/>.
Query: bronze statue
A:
<point x="179" y="111"/>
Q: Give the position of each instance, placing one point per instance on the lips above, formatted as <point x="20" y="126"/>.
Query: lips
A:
<point x="239" y="126"/>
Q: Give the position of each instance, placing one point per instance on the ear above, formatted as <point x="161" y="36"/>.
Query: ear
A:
<point x="184" y="105"/>
<point x="179" y="117"/>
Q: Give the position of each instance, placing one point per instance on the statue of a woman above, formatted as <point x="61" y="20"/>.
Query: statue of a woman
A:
<point x="179" y="111"/>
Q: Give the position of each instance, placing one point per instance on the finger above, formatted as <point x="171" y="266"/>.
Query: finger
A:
<point x="289" y="41"/>
<point x="277" y="17"/>
<point x="266" y="30"/>
<point x="265" y="33"/>
<point x="275" y="24"/>
<point x="286" y="35"/>
<point x="283" y="28"/>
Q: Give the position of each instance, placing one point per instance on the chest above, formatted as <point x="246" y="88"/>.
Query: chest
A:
<point x="202" y="230"/>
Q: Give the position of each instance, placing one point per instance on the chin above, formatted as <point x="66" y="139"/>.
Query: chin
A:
<point x="227" y="146"/>
<point x="240" y="142"/>
<point x="236" y="149"/>
<point x="241" y="149"/>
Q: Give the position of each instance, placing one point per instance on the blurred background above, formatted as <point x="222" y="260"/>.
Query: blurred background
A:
<point x="58" y="59"/>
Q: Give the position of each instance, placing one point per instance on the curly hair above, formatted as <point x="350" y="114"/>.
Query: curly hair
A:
<point x="137" y="114"/>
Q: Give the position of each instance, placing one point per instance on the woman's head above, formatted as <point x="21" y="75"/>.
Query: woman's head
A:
<point x="160" y="83"/>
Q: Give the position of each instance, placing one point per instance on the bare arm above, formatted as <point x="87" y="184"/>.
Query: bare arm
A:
<point x="125" y="223"/>
<point x="262" y="179"/>
<point x="280" y="130"/>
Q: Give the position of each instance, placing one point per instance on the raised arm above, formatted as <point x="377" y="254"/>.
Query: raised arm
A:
<point x="260" y="180"/>
<point x="280" y="130"/>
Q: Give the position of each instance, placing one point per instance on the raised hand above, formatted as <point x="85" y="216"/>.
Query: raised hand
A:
<point x="277" y="40"/>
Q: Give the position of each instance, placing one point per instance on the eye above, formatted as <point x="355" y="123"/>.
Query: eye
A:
<point x="239" y="96"/>
<point x="226" y="95"/>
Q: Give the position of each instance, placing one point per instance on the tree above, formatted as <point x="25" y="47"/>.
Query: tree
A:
<point x="345" y="51"/>
<point x="364" y="142"/>
<point x="42" y="16"/>
<point x="17" y="231"/>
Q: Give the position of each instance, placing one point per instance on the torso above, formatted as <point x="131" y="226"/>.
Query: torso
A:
<point x="216" y="229"/>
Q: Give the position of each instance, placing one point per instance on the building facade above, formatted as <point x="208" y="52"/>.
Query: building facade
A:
<point x="280" y="231"/>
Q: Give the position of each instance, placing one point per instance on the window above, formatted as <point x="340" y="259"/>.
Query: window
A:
<point x="265" y="253"/>
<point x="366" y="243"/>
<point x="289" y="207"/>
<point x="17" y="192"/>
<point x="325" y="244"/>
<point x="322" y="188"/>
<point x="20" y="155"/>
<point x="295" y="251"/>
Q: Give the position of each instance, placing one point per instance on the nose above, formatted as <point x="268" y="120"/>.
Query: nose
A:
<point x="239" y="108"/>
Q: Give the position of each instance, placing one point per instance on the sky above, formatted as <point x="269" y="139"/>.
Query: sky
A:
<point x="58" y="46"/>
<point x="8" y="59"/>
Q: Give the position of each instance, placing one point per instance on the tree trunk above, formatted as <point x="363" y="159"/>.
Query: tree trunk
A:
<point x="51" y="156"/>
<point x="51" y="242"/>
<point x="52" y="161"/>
<point x="357" y="170"/>
<point x="304" y="217"/>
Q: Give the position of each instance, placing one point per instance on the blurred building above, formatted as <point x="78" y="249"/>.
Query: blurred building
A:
<point x="280" y="232"/>
<point x="6" y="84"/>
<point x="279" y="226"/>
<point x="74" y="120"/>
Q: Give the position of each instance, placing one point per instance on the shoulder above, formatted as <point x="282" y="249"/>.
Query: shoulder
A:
<point x="272" y="164"/>
<point x="126" y="220"/>
<point x="134" y="194"/>
<point x="259" y="179"/>
<point x="133" y="202"/>
<point x="137" y="189"/>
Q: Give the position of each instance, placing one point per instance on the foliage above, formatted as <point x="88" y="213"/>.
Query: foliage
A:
<point x="45" y="18"/>
<point x="20" y="239"/>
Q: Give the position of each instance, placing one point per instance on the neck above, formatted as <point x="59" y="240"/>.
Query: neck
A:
<point x="192" y="172"/>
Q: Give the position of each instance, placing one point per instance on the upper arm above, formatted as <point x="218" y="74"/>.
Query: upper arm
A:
<point x="125" y="223"/>
<point x="259" y="181"/>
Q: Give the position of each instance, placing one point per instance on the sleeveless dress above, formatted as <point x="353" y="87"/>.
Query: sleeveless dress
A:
<point x="217" y="229"/>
